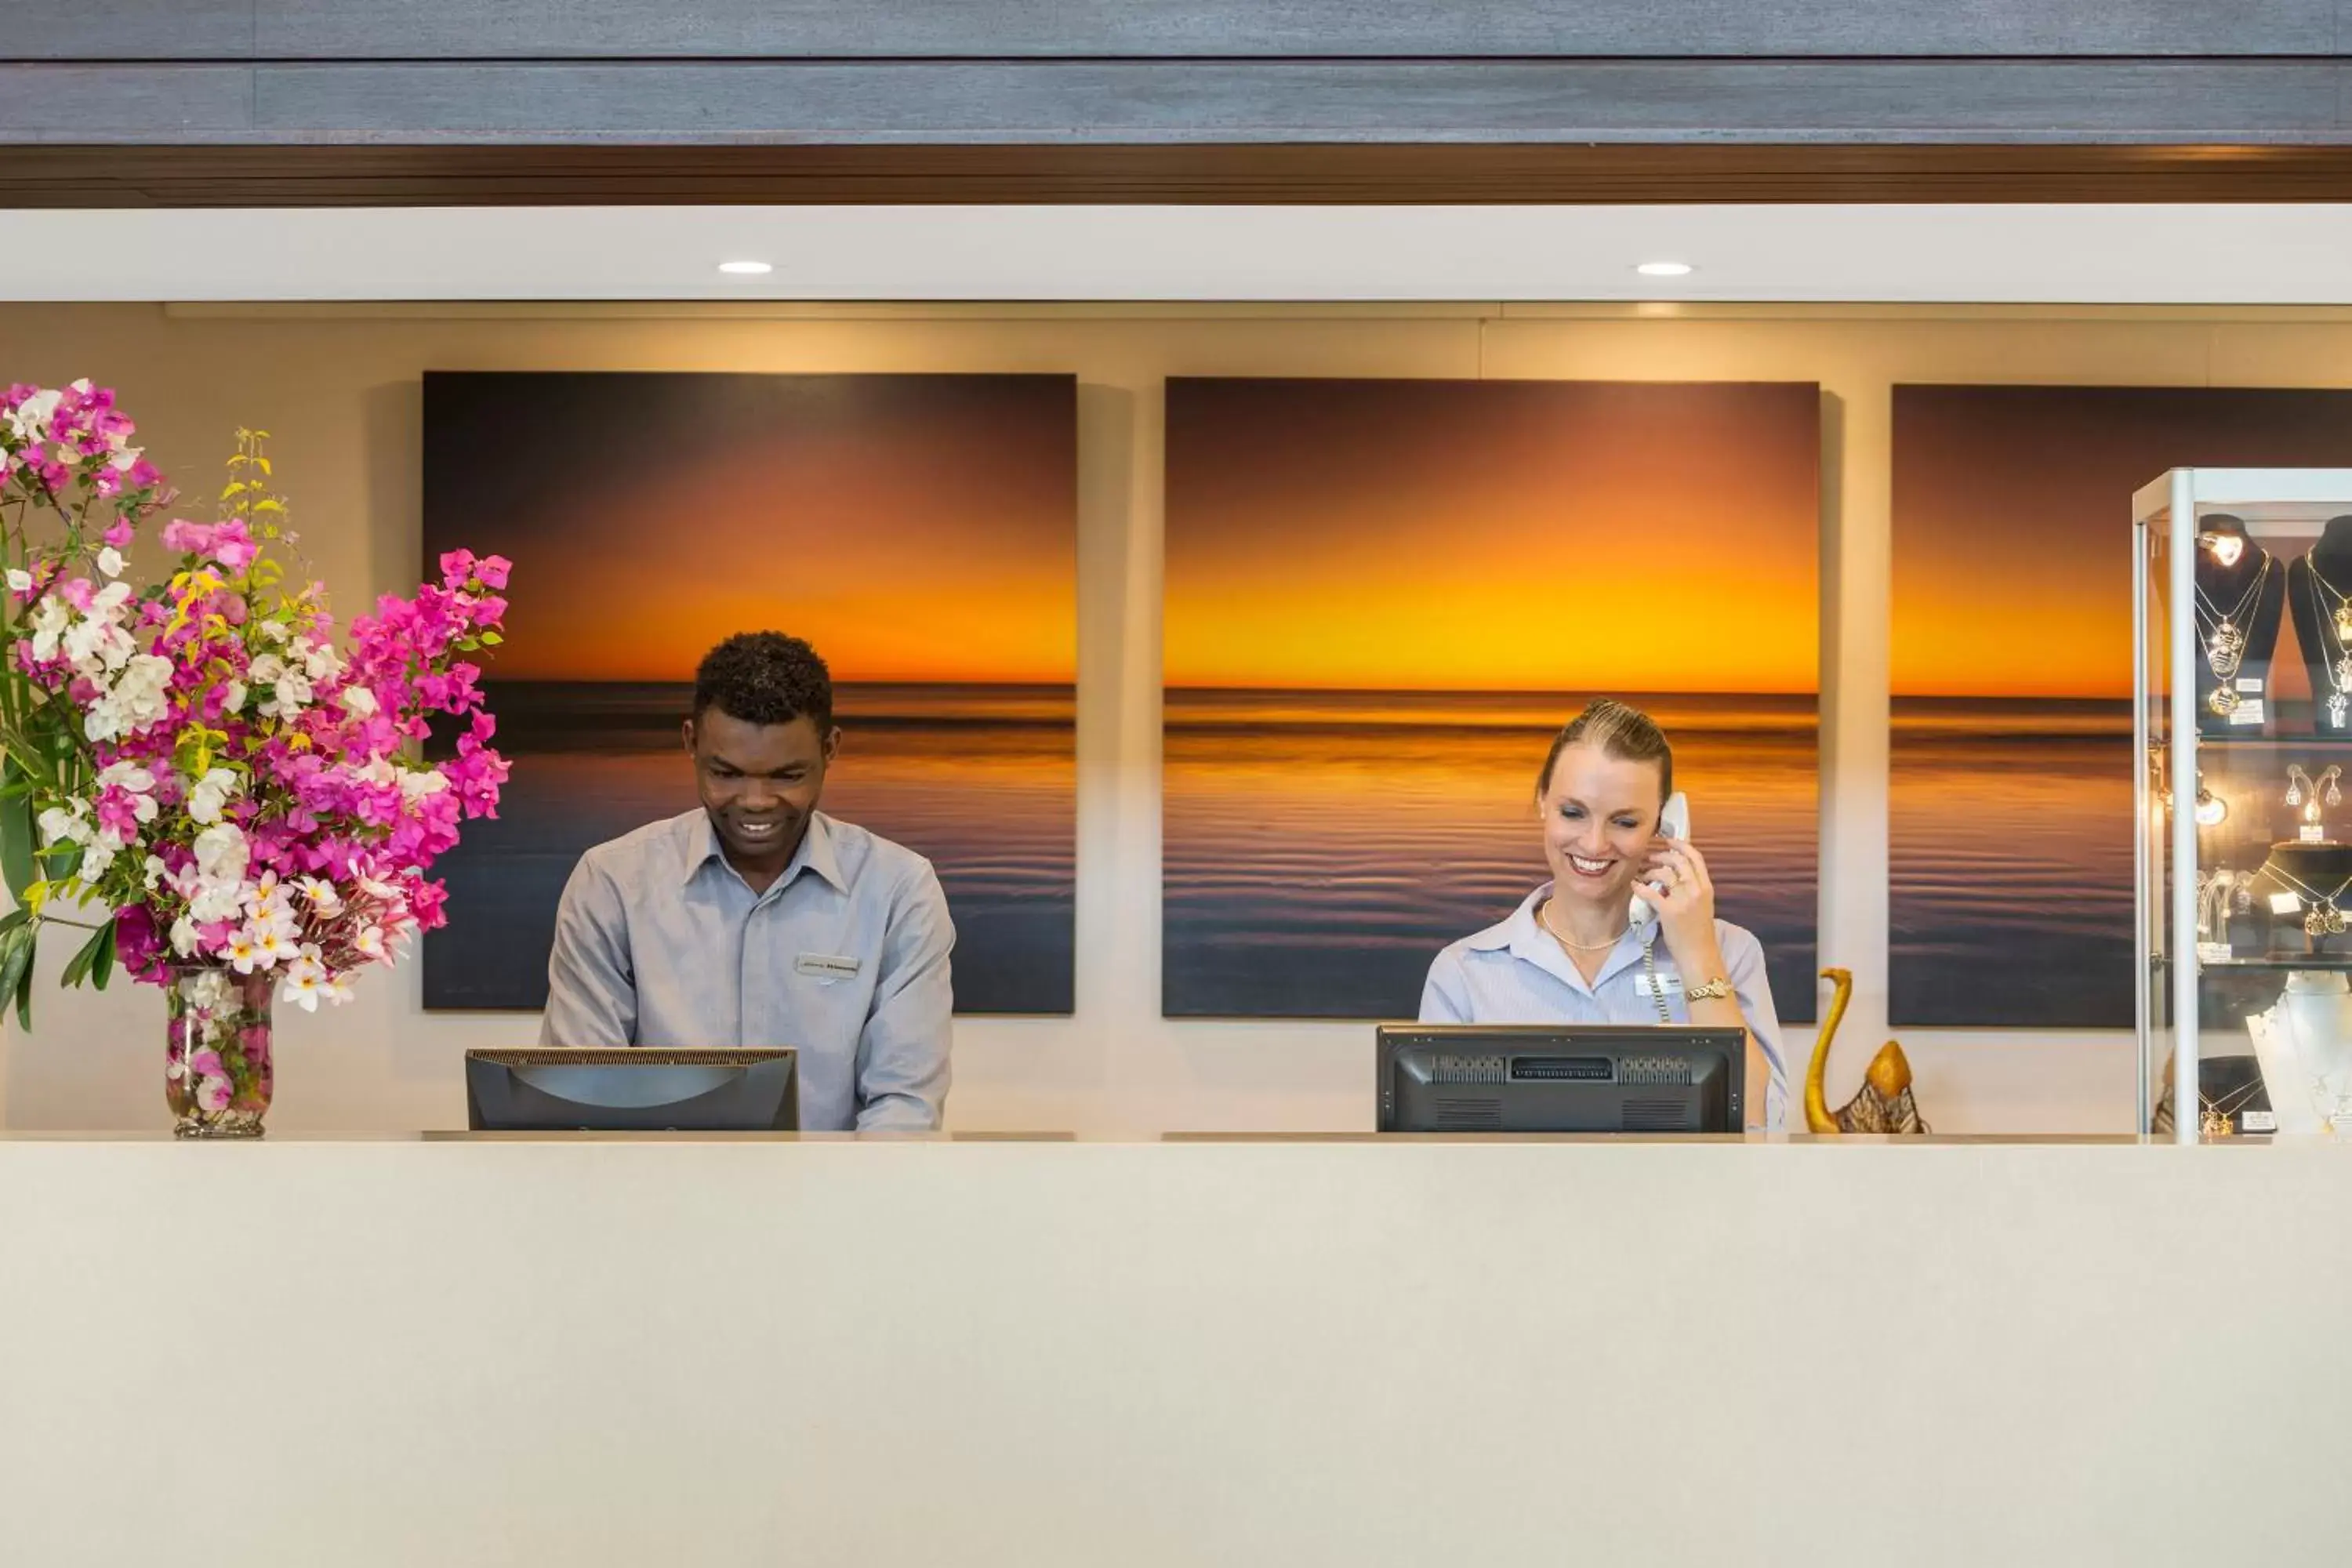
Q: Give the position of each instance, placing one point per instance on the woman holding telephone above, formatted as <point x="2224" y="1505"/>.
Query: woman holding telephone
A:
<point x="1625" y="931"/>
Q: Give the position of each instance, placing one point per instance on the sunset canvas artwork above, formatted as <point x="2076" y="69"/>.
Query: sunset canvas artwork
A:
<point x="920" y="530"/>
<point x="1384" y="597"/>
<point x="2009" y="794"/>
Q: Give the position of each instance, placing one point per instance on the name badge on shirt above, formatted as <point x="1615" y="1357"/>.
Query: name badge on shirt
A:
<point x="1667" y="984"/>
<point x="827" y="966"/>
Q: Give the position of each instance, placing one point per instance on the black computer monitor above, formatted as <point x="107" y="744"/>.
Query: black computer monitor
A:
<point x="640" y="1089"/>
<point x="1567" y="1077"/>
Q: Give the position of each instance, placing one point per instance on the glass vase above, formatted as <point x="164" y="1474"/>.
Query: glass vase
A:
<point x="218" y="1069"/>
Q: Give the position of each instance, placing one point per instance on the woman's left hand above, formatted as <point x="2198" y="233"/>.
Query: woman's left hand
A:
<point x="1676" y="883"/>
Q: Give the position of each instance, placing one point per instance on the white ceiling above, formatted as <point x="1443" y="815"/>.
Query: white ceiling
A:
<point x="2145" y="255"/>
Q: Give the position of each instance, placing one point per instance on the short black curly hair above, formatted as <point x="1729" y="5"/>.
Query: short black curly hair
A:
<point x="765" y="677"/>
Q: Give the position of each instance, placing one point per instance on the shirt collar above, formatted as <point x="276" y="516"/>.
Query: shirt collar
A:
<point x="1524" y="937"/>
<point x="815" y="852"/>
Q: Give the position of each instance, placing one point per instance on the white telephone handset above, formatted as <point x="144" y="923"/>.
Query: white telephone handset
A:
<point x="1674" y="821"/>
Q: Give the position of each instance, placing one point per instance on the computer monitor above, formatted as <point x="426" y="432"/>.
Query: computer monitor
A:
<point x="639" y="1090"/>
<point x="1567" y="1077"/>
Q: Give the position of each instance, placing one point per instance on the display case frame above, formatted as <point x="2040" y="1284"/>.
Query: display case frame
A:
<point x="2209" y="736"/>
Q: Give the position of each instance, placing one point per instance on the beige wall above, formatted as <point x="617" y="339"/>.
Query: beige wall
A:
<point x="339" y="388"/>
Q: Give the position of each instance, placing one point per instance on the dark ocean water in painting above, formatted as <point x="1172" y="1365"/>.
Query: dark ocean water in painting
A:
<point x="1320" y="847"/>
<point x="981" y="780"/>
<point x="2010" y="865"/>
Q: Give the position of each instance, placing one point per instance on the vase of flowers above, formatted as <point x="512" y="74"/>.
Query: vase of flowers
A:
<point x="193" y="776"/>
<point x="218" y="1071"/>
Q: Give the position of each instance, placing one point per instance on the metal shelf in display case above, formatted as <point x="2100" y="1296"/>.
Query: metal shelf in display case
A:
<point x="2229" y="709"/>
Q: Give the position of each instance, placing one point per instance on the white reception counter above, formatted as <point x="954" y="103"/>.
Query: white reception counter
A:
<point x="458" y="1352"/>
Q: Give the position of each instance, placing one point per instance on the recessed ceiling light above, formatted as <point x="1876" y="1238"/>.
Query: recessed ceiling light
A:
<point x="1664" y="269"/>
<point x="746" y="268"/>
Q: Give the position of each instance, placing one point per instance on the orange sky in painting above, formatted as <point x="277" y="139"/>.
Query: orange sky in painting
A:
<point x="2013" y="520"/>
<point x="1493" y="535"/>
<point x="912" y="528"/>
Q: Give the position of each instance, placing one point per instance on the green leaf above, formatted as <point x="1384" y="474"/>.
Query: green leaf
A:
<point x="101" y="968"/>
<point x="16" y="950"/>
<point x="16" y="834"/>
<point x="78" y="967"/>
<point x="60" y="864"/>
<point x="491" y="639"/>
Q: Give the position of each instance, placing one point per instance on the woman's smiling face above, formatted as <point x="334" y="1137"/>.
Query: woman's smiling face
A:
<point x="1600" y="814"/>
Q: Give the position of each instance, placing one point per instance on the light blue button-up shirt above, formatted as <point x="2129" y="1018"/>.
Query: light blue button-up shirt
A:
<point x="659" y="941"/>
<point x="1513" y="972"/>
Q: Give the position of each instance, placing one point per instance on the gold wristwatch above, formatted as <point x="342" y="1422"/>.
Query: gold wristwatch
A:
<point x="1718" y="986"/>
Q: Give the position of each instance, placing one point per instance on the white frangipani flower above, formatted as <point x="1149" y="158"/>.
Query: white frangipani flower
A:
<point x="222" y="854"/>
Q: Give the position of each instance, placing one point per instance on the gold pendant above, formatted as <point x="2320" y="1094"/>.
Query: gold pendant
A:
<point x="2314" y="924"/>
<point x="2216" y="1124"/>
<point x="2344" y="621"/>
<point x="2223" y="700"/>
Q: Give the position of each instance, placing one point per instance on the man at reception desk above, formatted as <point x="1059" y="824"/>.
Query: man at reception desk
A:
<point x="756" y="919"/>
<point x="1626" y="880"/>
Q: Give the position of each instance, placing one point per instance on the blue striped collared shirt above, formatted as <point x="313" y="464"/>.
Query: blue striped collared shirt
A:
<point x="659" y="941"/>
<point x="1512" y="973"/>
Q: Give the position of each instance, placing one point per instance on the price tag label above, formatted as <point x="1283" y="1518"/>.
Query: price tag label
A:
<point x="2312" y="833"/>
<point x="2252" y="683"/>
<point x="2213" y="952"/>
<point x="2258" y="1120"/>
<point x="2247" y="712"/>
<point x="2286" y="904"/>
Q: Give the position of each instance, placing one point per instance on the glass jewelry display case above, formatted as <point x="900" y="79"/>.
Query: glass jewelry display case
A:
<point x="2242" y="723"/>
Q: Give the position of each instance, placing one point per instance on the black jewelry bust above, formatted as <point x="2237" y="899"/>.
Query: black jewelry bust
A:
<point x="2241" y="595"/>
<point x="2320" y="877"/>
<point x="2313" y="605"/>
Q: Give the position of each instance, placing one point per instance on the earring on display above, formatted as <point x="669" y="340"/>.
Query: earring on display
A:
<point x="2334" y="796"/>
<point x="2297" y="780"/>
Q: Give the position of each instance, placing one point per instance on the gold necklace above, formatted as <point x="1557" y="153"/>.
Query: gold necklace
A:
<point x="2325" y="919"/>
<point x="2215" y="1120"/>
<point x="2343" y="613"/>
<point x="1648" y="959"/>
<point x="2225" y="645"/>
<point x="1543" y="919"/>
<point x="2339" y="668"/>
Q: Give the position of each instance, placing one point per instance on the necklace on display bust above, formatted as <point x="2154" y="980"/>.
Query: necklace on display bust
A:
<point x="2342" y="613"/>
<point x="2337" y="622"/>
<point x="2329" y="1103"/>
<point x="2325" y="919"/>
<point x="2225" y="638"/>
<point x="2216" y="1117"/>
